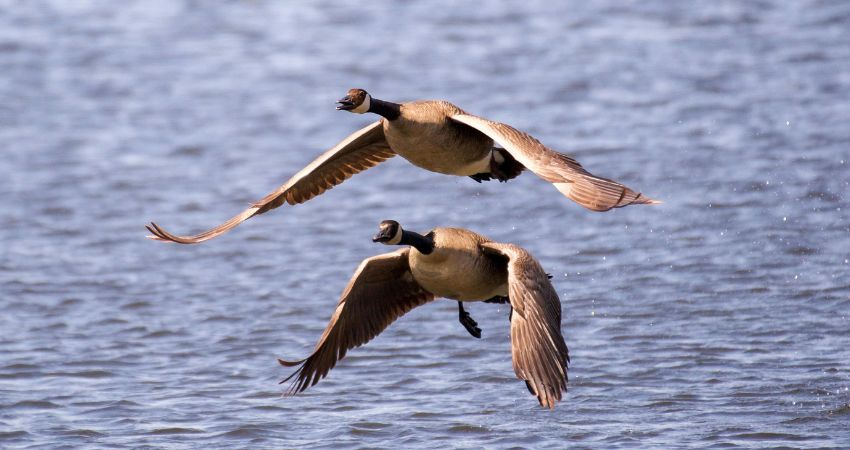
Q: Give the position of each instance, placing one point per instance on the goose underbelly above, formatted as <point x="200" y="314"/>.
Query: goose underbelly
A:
<point x="459" y="280"/>
<point x="431" y="151"/>
<point x="446" y="161"/>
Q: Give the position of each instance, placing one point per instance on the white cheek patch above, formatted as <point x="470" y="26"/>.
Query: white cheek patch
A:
<point x="364" y="107"/>
<point x="396" y="238"/>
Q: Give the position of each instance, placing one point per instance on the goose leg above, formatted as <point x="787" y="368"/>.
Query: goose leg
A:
<point x="468" y="322"/>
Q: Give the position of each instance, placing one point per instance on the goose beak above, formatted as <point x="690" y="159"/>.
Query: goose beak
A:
<point x="383" y="235"/>
<point x="345" y="104"/>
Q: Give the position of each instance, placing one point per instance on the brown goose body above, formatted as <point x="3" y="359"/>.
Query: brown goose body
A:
<point x="440" y="137"/>
<point x="458" y="251"/>
<point x="446" y="262"/>
<point x="425" y="135"/>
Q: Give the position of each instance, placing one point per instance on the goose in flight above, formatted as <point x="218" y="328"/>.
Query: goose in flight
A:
<point x="458" y="264"/>
<point x="437" y="136"/>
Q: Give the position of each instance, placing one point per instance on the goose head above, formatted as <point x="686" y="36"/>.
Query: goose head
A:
<point x="356" y="101"/>
<point x="389" y="233"/>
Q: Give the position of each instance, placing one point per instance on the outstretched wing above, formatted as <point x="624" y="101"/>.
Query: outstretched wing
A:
<point x="540" y="355"/>
<point x="381" y="290"/>
<point x="358" y="152"/>
<point x="568" y="176"/>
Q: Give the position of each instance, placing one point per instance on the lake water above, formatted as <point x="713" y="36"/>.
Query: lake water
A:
<point x="718" y="319"/>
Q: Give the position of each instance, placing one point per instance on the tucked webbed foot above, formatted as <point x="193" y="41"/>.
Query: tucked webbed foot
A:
<point x="503" y="166"/>
<point x="479" y="177"/>
<point x="468" y="322"/>
<point x="497" y="172"/>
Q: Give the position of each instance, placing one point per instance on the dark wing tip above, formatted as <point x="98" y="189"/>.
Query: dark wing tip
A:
<point x="152" y="234"/>
<point x="159" y="234"/>
<point x="300" y="380"/>
<point x="156" y="232"/>
<point x="285" y="363"/>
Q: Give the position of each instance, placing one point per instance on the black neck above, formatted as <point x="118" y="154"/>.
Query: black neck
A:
<point x="389" y="110"/>
<point x="424" y="244"/>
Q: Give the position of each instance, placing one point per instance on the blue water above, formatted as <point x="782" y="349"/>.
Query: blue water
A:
<point x="718" y="319"/>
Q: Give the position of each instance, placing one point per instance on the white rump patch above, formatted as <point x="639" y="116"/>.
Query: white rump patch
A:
<point x="565" y="188"/>
<point x="364" y="107"/>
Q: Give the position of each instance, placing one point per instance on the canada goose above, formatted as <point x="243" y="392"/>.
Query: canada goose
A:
<point x="458" y="264"/>
<point x="438" y="136"/>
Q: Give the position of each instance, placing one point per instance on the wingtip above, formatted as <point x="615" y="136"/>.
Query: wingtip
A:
<point x="155" y="235"/>
<point x="285" y="363"/>
<point x="161" y="235"/>
<point x="644" y="200"/>
<point x="548" y="403"/>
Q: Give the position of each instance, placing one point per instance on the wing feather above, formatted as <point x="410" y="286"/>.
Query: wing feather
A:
<point x="381" y="290"/>
<point x="568" y="176"/>
<point x="361" y="150"/>
<point x="540" y="355"/>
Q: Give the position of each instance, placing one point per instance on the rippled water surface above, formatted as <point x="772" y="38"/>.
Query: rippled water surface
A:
<point x="717" y="319"/>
